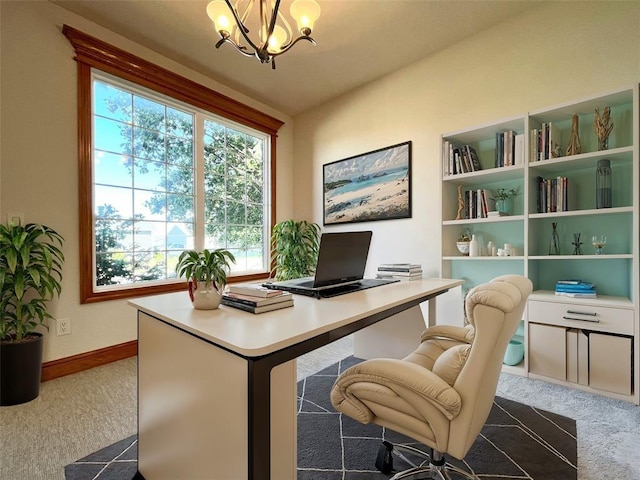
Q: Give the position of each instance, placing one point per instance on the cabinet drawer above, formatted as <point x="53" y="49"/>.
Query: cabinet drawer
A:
<point x="586" y="317"/>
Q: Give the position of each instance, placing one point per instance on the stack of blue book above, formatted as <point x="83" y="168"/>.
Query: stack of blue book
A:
<point x="575" y="288"/>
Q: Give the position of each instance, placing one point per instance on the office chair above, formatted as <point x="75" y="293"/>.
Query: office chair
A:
<point x="442" y="393"/>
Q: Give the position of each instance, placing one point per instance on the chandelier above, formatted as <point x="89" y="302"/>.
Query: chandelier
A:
<point x="275" y="36"/>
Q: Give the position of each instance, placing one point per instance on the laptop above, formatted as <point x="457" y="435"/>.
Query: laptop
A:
<point x="342" y="259"/>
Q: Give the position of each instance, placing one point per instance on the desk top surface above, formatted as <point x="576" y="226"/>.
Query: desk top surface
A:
<point x="253" y="335"/>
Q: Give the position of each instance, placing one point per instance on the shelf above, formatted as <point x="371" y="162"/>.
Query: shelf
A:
<point x="581" y="257"/>
<point x="487" y="131"/>
<point x="576" y="213"/>
<point x="467" y="221"/>
<point x="582" y="161"/>
<point x="489" y="175"/>
<point x="483" y="258"/>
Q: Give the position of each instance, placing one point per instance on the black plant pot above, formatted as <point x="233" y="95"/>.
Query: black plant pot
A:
<point x="20" y="370"/>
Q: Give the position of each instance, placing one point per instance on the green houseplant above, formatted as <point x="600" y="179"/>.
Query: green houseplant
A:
<point x="294" y="248"/>
<point x="30" y="276"/>
<point x="206" y="272"/>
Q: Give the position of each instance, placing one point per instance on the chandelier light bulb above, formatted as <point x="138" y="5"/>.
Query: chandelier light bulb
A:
<point x="277" y="39"/>
<point x="219" y="13"/>
<point x="305" y="13"/>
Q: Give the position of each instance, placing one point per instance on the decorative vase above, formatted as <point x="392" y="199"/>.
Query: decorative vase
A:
<point x="514" y="353"/>
<point x="474" y="247"/>
<point x="463" y="247"/>
<point x="204" y="295"/>
<point x="554" y="244"/>
<point x="503" y="205"/>
<point x="20" y="370"/>
<point x="603" y="184"/>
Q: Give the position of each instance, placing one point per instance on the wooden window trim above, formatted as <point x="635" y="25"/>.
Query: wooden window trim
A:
<point x="91" y="52"/>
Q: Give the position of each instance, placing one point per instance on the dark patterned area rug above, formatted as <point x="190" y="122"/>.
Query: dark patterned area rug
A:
<point x="518" y="442"/>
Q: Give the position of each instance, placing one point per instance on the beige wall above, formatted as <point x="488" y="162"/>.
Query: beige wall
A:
<point x="39" y="154"/>
<point x="551" y="55"/>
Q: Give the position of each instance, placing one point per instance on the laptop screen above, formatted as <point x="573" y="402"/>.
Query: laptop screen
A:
<point x="342" y="257"/>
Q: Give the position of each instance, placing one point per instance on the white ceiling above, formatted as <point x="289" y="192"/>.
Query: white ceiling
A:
<point x="358" y="41"/>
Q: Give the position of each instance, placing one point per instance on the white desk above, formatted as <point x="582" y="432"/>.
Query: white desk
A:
<point x="217" y="388"/>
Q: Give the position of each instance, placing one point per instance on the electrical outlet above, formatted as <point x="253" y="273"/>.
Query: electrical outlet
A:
<point x="63" y="326"/>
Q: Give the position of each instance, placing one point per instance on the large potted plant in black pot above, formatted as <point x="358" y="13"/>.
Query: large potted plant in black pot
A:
<point x="30" y="275"/>
<point x="294" y="248"/>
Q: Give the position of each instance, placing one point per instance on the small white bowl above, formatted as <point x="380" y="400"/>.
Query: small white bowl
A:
<point x="463" y="247"/>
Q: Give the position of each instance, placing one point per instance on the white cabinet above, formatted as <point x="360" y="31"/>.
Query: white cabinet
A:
<point x="528" y="225"/>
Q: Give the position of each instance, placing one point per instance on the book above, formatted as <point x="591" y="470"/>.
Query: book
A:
<point x="571" y="282"/>
<point x="577" y="295"/>
<point x="401" y="278"/>
<point x="253" y="289"/>
<point x="397" y="273"/>
<point x="253" y="301"/>
<point x="399" y="267"/>
<point x="248" y="308"/>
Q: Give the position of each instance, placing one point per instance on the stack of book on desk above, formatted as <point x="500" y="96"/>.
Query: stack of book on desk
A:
<point x="400" y="271"/>
<point x="575" y="288"/>
<point x="255" y="298"/>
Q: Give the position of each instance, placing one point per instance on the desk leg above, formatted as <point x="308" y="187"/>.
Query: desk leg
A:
<point x="272" y="437"/>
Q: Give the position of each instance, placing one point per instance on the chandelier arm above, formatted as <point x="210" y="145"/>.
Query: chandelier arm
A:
<point x="274" y="18"/>
<point x="240" y="48"/>
<point x="241" y="27"/>
<point x="288" y="47"/>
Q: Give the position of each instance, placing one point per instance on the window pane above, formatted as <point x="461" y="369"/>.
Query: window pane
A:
<point x="112" y="136"/>
<point x="150" y="175"/>
<point x="180" y="207"/>
<point x="111" y="102"/>
<point x="148" y="114"/>
<point x="180" y="236"/>
<point x="180" y="180"/>
<point x="112" y="169"/>
<point x="179" y="123"/>
<point x="119" y="199"/>
<point x="113" y="269"/>
<point x="148" y="144"/>
<point x="149" y="205"/>
<point x="180" y="151"/>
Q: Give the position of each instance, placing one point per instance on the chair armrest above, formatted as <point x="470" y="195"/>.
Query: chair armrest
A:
<point x="399" y="375"/>
<point x="459" y="334"/>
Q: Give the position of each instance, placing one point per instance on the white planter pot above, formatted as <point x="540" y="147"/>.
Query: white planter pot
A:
<point x="204" y="296"/>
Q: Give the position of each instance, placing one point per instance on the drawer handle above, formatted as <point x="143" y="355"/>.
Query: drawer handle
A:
<point x="575" y="312"/>
<point x="592" y="320"/>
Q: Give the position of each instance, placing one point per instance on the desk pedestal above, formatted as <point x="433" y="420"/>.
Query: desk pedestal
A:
<point x="192" y="409"/>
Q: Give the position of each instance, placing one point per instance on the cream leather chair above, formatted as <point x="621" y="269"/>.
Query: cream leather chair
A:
<point x="442" y="393"/>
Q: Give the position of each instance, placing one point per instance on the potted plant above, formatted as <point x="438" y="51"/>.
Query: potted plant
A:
<point x="503" y="198"/>
<point x="30" y="275"/>
<point x="294" y="249"/>
<point x="463" y="242"/>
<point x="206" y="272"/>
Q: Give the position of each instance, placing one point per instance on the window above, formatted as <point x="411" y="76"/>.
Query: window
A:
<point x="165" y="165"/>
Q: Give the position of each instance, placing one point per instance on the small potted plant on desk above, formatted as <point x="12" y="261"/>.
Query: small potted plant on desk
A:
<point x="206" y="272"/>
<point x="294" y="248"/>
<point x="30" y="275"/>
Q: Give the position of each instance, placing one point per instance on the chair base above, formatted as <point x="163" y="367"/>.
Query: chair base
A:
<point x="436" y="469"/>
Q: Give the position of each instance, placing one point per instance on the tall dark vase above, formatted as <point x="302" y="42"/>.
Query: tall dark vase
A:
<point x="20" y="370"/>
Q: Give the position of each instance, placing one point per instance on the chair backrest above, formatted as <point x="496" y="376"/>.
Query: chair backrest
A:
<point x="495" y="310"/>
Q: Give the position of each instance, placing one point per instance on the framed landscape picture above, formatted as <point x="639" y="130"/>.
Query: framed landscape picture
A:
<point x="368" y="187"/>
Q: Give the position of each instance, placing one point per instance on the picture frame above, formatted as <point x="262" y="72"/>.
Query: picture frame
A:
<point x="368" y="187"/>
